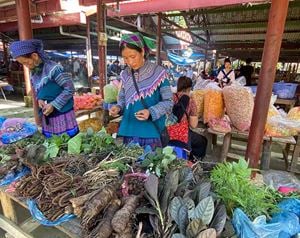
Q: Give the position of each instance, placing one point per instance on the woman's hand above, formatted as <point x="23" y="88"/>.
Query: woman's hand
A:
<point x="48" y="109"/>
<point x="41" y="103"/>
<point x="114" y="111"/>
<point x="142" y="115"/>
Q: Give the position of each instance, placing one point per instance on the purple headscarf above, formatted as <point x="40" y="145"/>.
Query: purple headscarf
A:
<point x="24" y="47"/>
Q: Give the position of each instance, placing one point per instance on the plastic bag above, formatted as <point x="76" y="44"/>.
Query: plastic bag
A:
<point x="198" y="97"/>
<point x="220" y="125"/>
<point x="110" y="93"/>
<point x="14" y="176"/>
<point x="213" y="105"/>
<point x="87" y="101"/>
<point x="294" y="114"/>
<point x="241" y="81"/>
<point x="19" y="132"/>
<point x="276" y="179"/>
<point x="2" y="119"/>
<point x="290" y="205"/>
<point x="259" y="228"/>
<point x="39" y="216"/>
<point x="125" y="186"/>
<point x="239" y="104"/>
<point x="279" y="126"/>
<point x="289" y="223"/>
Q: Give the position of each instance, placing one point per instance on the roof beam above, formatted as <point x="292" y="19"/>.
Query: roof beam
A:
<point x="154" y="6"/>
<point x="48" y="21"/>
<point x="249" y="45"/>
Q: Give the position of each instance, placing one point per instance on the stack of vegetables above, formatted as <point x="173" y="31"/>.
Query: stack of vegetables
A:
<point x="87" y="101"/>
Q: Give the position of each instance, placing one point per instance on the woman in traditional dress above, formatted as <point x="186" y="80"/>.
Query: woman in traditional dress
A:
<point x="53" y="89"/>
<point x="144" y="112"/>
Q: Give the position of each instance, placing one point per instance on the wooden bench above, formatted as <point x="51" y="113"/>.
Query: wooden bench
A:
<point x="9" y="220"/>
<point x="88" y="112"/>
<point x="266" y="150"/>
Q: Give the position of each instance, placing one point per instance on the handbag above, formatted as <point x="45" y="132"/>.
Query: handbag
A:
<point x="164" y="135"/>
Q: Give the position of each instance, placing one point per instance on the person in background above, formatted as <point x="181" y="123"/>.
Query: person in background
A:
<point x="189" y="72"/>
<point x="247" y="71"/>
<point x="140" y="124"/>
<point x="53" y="88"/>
<point x="226" y="76"/>
<point x="76" y="68"/>
<point x="186" y="112"/>
<point x="114" y="69"/>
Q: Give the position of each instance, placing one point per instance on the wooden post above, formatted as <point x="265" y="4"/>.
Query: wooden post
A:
<point x="158" y="40"/>
<point x="25" y="33"/>
<point x="8" y="207"/>
<point x="266" y="154"/>
<point x="102" y="43"/>
<point x="276" y="22"/>
<point x="89" y="54"/>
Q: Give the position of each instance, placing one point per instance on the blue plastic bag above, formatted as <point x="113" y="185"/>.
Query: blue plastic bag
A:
<point x="259" y="228"/>
<point x="39" y="216"/>
<point x="2" y="119"/>
<point x="289" y="223"/>
<point x="290" y="205"/>
<point x="14" y="176"/>
<point x="28" y="129"/>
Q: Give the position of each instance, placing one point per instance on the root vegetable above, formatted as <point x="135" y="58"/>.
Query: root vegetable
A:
<point x="104" y="228"/>
<point x="122" y="217"/>
<point x="95" y="205"/>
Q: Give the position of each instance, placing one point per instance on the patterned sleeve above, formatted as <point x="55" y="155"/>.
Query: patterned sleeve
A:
<point x="192" y="108"/>
<point x="166" y="104"/>
<point x="64" y="80"/>
<point x="121" y="99"/>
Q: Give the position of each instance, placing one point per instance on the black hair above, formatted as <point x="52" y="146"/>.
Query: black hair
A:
<point x="227" y="60"/>
<point x="248" y="60"/>
<point x="28" y="55"/>
<point x="184" y="83"/>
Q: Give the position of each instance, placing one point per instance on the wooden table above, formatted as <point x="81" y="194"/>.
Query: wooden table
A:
<point x="266" y="150"/>
<point x="9" y="220"/>
<point x="288" y="103"/>
<point x="88" y="112"/>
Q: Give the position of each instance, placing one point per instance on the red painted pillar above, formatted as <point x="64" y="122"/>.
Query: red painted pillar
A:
<point x="25" y="33"/>
<point x="158" y="40"/>
<point x="102" y="43"/>
<point x="276" y="22"/>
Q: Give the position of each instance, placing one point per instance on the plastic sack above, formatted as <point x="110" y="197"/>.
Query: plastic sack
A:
<point x="259" y="228"/>
<point x="201" y="84"/>
<point x="110" y="93"/>
<point x="125" y="186"/>
<point x="87" y="101"/>
<point x="241" y="81"/>
<point x="276" y="179"/>
<point x="12" y="122"/>
<point x="39" y="216"/>
<point x="220" y="125"/>
<point x="198" y="97"/>
<point x="239" y="103"/>
<point x="14" y="176"/>
<point x="279" y="126"/>
<point x="13" y="134"/>
<point x="294" y="114"/>
<point x="213" y="105"/>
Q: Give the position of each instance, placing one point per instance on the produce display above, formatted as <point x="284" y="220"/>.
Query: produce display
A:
<point x="123" y="191"/>
<point x="94" y="123"/>
<point x="220" y="125"/>
<point x="87" y="101"/>
<point x="213" y="105"/>
<point x="239" y="104"/>
<point x="294" y="114"/>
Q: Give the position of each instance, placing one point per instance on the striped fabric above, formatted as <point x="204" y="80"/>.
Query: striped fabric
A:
<point x="135" y="39"/>
<point x="54" y="72"/>
<point x="153" y="142"/>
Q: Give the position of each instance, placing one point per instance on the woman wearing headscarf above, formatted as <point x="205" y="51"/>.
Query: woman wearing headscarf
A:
<point x="144" y="112"/>
<point x="53" y="89"/>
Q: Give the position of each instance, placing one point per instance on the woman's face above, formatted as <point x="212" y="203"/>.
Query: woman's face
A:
<point x="227" y="66"/>
<point x="30" y="62"/>
<point x="133" y="58"/>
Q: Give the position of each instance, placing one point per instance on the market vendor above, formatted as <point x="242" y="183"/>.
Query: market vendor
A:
<point x="53" y="88"/>
<point x="226" y="76"/>
<point x="143" y="119"/>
